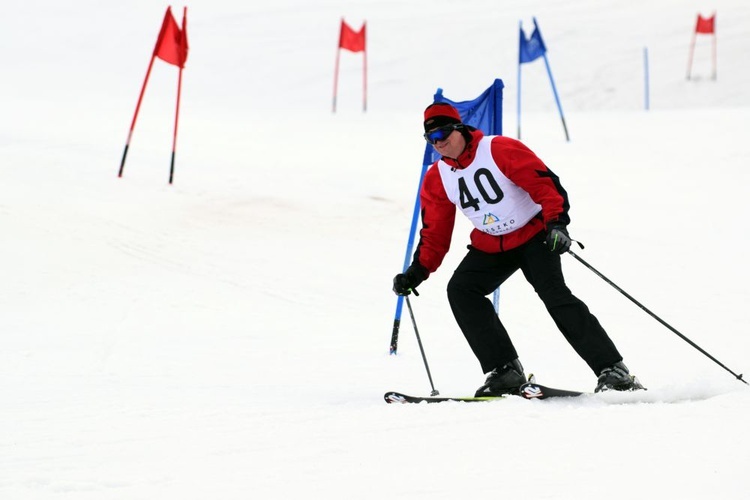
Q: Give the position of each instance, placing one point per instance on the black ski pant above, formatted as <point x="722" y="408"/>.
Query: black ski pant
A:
<point x="480" y="273"/>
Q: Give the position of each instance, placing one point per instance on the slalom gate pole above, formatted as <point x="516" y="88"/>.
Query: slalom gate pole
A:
<point x="518" y="86"/>
<point x="135" y="116"/>
<point x="336" y="77"/>
<point x="657" y="318"/>
<point x="645" y="79"/>
<point x="690" y="56"/>
<point x="713" y="56"/>
<point x="409" y="246"/>
<point x="421" y="349"/>
<point x="176" y="120"/>
<point x="364" y="79"/>
<point x="557" y="98"/>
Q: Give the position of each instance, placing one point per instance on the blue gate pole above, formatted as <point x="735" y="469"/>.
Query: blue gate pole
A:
<point x="407" y="256"/>
<point x="557" y="99"/>
<point x="646" y="78"/>
<point x="518" y="86"/>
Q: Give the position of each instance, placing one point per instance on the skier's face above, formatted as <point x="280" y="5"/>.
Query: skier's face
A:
<point x="452" y="146"/>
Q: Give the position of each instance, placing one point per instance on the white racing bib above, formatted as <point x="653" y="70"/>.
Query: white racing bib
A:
<point x="491" y="201"/>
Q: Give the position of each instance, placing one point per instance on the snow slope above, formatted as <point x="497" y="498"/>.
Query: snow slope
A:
<point x="227" y="336"/>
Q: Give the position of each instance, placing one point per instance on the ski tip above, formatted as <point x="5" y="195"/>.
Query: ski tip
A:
<point x="394" y="397"/>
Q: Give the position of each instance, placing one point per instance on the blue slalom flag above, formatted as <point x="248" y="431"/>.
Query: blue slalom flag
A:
<point x="533" y="48"/>
<point x="485" y="113"/>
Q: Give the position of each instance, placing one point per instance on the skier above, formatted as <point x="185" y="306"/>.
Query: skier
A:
<point x="520" y="214"/>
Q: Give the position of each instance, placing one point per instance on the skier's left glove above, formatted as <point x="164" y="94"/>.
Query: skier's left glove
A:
<point x="409" y="280"/>
<point x="558" y="239"/>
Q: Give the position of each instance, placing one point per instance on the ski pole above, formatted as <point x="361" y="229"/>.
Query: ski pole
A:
<point x="657" y="318"/>
<point x="421" y="349"/>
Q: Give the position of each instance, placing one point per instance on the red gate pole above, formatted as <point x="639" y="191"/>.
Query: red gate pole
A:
<point x="135" y="116"/>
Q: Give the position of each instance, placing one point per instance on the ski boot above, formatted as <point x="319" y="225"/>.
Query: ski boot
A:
<point x="617" y="378"/>
<point x="503" y="380"/>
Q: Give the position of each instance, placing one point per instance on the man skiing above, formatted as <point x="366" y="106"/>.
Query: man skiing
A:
<point x="520" y="214"/>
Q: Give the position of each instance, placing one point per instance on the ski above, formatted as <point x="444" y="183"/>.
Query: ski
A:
<point x="529" y="390"/>
<point x="397" y="397"/>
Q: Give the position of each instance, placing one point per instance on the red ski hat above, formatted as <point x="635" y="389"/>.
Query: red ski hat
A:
<point x="440" y="114"/>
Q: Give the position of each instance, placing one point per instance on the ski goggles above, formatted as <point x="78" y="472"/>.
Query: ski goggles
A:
<point x="441" y="133"/>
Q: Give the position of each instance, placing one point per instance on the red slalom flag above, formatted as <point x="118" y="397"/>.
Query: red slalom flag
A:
<point x="352" y="40"/>
<point x="172" y="47"/>
<point x="172" y="44"/>
<point x="705" y="25"/>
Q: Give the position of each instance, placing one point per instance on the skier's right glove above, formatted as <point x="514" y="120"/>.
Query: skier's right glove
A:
<point x="558" y="239"/>
<point x="404" y="283"/>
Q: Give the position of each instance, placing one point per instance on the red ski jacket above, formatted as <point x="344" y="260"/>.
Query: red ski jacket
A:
<point x="520" y="172"/>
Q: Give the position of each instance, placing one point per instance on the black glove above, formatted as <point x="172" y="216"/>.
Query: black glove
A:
<point x="404" y="283"/>
<point x="558" y="239"/>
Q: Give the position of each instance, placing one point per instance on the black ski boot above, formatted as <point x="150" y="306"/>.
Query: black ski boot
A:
<point x="617" y="378"/>
<point x="504" y="380"/>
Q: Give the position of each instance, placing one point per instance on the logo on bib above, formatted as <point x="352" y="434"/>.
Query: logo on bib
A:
<point x="490" y="219"/>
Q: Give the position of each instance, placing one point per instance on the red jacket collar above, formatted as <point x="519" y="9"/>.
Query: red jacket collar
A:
<point x="469" y="152"/>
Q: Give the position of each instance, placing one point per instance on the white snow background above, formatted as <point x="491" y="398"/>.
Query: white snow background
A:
<point x="227" y="336"/>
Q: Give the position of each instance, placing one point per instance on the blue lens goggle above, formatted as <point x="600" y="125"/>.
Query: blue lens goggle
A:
<point x="442" y="133"/>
